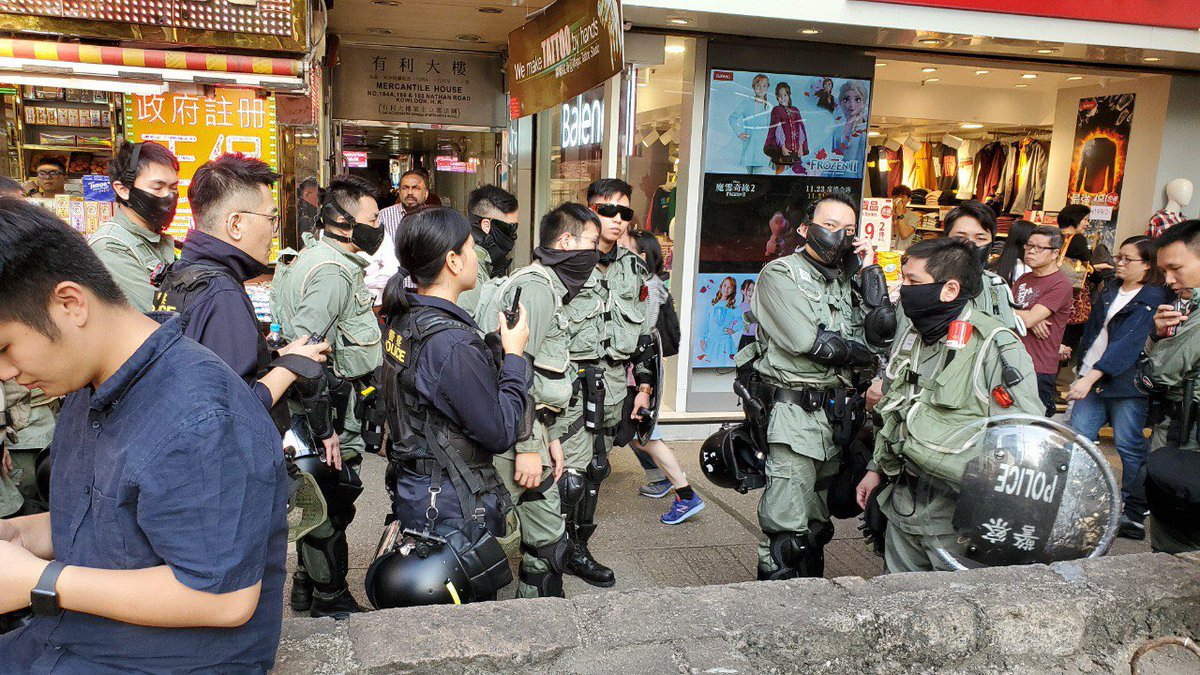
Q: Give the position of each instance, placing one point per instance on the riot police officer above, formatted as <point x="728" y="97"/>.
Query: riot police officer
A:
<point x="134" y="245"/>
<point x="805" y="366"/>
<point x="936" y="386"/>
<point x="975" y="223"/>
<point x="493" y="214"/>
<point x="321" y="289"/>
<point x="1170" y="372"/>
<point x="607" y="335"/>
<point x="564" y="262"/>
<point x="452" y="402"/>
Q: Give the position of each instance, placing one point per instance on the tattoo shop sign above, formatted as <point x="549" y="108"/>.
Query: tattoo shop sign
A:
<point x="570" y="47"/>
<point x="418" y="86"/>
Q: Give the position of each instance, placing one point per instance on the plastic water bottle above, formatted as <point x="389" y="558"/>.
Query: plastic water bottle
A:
<point x="275" y="338"/>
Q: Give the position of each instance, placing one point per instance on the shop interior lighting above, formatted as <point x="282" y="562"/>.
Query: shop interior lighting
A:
<point x="880" y="64"/>
<point x="810" y="31"/>
<point x="1151" y="59"/>
<point x="666" y="137"/>
<point x="97" y="84"/>
<point x="929" y="69"/>
<point x="650" y="138"/>
<point x="1022" y="86"/>
<point x="675" y="49"/>
<point x="893" y="144"/>
<point x="952" y="141"/>
<point x="1029" y="76"/>
<point x="678" y="20"/>
<point x="932" y="79"/>
<point x="982" y="72"/>
<point x="873" y="134"/>
<point x="971" y="125"/>
<point x="1073" y="78"/>
<point x="1047" y="50"/>
<point x="930" y="41"/>
<point x="131" y="75"/>
<point x="912" y="143"/>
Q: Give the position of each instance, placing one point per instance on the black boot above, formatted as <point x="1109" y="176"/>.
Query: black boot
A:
<point x="339" y="605"/>
<point x="581" y="563"/>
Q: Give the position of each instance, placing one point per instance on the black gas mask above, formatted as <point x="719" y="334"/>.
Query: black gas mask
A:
<point x="498" y="242"/>
<point x="830" y="247"/>
<point x="157" y="212"/>
<point x="362" y="235"/>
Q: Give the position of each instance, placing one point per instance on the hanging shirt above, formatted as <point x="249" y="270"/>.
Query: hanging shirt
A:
<point x="1161" y="221"/>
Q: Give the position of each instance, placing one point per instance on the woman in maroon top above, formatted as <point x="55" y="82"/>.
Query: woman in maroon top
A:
<point x="787" y="140"/>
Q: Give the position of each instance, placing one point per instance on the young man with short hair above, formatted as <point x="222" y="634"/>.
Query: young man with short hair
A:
<point x="493" y="214"/>
<point x="1044" y="297"/>
<point x="134" y="245"/>
<point x="164" y="548"/>
<point x="50" y="179"/>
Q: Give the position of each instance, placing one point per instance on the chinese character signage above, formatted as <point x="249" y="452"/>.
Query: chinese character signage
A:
<point x="570" y="47"/>
<point x="875" y="223"/>
<point x="1098" y="163"/>
<point x="200" y="128"/>
<point x="418" y="86"/>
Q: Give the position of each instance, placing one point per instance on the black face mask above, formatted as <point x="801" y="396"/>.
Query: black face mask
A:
<point x="573" y="268"/>
<point x="929" y="315"/>
<point x="829" y="246"/>
<point x="984" y="252"/>
<point x="158" y="212"/>
<point x="498" y="242"/>
<point x="366" y="238"/>
<point x="607" y="258"/>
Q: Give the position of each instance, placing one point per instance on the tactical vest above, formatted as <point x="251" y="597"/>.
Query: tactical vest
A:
<point x="607" y="316"/>
<point x="179" y="288"/>
<point x="922" y="415"/>
<point x="423" y="439"/>
<point x="147" y="254"/>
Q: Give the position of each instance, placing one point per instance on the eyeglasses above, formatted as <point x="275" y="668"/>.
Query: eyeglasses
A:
<point x="1122" y="259"/>
<point x="592" y="242"/>
<point x="614" y="210"/>
<point x="1035" y="247"/>
<point x="273" y="217"/>
<point x="53" y="173"/>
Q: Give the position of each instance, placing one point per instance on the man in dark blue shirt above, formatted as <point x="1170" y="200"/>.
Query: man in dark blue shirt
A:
<point x="165" y="543"/>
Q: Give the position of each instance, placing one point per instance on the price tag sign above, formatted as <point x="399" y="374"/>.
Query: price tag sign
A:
<point x="875" y="223"/>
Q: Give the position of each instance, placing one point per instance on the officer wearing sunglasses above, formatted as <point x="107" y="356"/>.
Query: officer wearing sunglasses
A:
<point x="606" y="335"/>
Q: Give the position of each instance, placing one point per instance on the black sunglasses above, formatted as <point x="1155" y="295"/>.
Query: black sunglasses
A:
<point x="614" y="210"/>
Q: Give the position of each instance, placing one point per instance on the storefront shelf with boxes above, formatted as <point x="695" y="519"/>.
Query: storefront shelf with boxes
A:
<point x="77" y="126"/>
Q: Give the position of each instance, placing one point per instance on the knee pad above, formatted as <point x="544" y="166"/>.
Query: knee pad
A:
<point x="598" y="469"/>
<point x="326" y="560"/>
<point x="790" y="552"/>
<point x="554" y="554"/>
<point x="820" y="533"/>
<point x="570" y="489"/>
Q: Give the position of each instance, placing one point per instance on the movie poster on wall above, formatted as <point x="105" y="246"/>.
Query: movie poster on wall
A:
<point x="774" y="143"/>
<point x="1098" y="163"/>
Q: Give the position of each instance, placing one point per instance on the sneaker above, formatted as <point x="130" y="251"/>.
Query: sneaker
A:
<point x="681" y="510"/>
<point x="656" y="490"/>
<point x="1131" y="529"/>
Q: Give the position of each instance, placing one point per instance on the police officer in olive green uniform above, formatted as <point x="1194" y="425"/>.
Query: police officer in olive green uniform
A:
<point x="493" y="214"/>
<point x="1171" y="368"/>
<point x="565" y="261"/>
<point x="133" y="245"/>
<point x="810" y="331"/>
<point x="320" y="285"/>
<point x="26" y="449"/>
<point x="14" y="417"/>
<point x="934" y="390"/>
<point x="606" y="335"/>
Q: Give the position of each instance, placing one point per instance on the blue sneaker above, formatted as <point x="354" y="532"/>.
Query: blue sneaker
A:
<point x="656" y="490"/>
<point x="681" y="510"/>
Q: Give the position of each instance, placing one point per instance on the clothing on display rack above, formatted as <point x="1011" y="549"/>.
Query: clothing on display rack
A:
<point x="1029" y="187"/>
<point x="662" y="209"/>
<point x="1161" y="221"/>
<point x="989" y="165"/>
<point x="966" y="169"/>
<point x="885" y="170"/>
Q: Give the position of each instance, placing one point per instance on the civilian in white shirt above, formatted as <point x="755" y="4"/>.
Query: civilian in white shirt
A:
<point x="414" y="190"/>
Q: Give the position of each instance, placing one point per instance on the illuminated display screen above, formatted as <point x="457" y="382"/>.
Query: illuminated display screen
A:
<point x="267" y="17"/>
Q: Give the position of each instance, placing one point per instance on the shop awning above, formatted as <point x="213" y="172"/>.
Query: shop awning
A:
<point x="21" y="60"/>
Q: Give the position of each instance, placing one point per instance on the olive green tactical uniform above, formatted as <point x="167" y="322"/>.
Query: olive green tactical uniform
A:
<point x="952" y="391"/>
<point x="469" y="300"/>
<point x="793" y="297"/>
<point x="30" y="441"/>
<point x="995" y="299"/>
<point x="132" y="254"/>
<point x="1172" y="363"/>
<point x="310" y="288"/>
<point x="14" y="416"/>
<point x="542" y="523"/>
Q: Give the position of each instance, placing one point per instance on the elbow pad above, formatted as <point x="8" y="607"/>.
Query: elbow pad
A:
<point x="1142" y="380"/>
<point x="831" y="349"/>
<point x="879" y="325"/>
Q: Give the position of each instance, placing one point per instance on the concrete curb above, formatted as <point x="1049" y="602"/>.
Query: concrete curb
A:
<point x="1065" y="618"/>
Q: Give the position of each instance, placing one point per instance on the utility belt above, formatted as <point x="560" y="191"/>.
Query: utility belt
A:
<point x="369" y="409"/>
<point x="844" y="407"/>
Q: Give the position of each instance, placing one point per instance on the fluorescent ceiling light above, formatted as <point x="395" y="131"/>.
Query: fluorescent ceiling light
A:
<point x="679" y="21"/>
<point x="930" y="41"/>
<point x="971" y="125"/>
<point x="1151" y="59"/>
<point x="880" y="64"/>
<point x="809" y="31"/>
<point x="873" y="133"/>
<point x="70" y="82"/>
<point x="982" y="72"/>
<point x="934" y="79"/>
<point x="929" y="69"/>
<point x="1074" y="78"/>
<point x="1029" y="76"/>
<point x="1046" y="51"/>
<point x="1022" y="86"/>
<point x="676" y="49"/>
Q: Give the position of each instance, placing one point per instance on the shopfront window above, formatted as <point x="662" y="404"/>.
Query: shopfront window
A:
<point x="575" y="138"/>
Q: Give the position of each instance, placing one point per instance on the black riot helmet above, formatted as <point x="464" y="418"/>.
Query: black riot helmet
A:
<point x="730" y="460"/>
<point x="445" y="565"/>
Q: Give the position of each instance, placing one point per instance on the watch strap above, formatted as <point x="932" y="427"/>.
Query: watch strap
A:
<point x="43" y="600"/>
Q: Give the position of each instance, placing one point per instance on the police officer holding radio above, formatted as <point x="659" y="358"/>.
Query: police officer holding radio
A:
<point x="804" y="371"/>
<point x="134" y="245"/>
<point x="607" y="335"/>
<point x="936" y="386"/>
<point x="452" y="404"/>
<point x="320" y="291"/>
<point x="1170" y="373"/>
<point x="236" y="221"/>
<point x="565" y="261"/>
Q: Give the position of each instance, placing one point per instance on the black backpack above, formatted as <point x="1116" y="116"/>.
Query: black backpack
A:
<point x="668" y="327"/>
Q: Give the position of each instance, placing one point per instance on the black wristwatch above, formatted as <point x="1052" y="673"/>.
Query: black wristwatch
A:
<point x="43" y="599"/>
